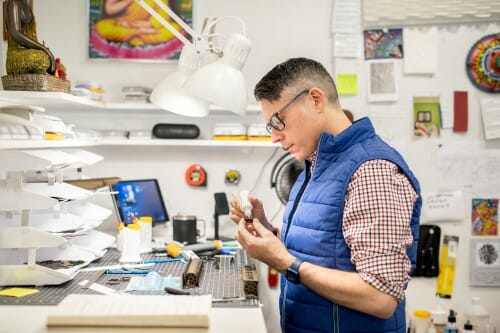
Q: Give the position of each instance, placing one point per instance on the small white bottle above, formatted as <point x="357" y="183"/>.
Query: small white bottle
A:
<point x="478" y="316"/>
<point x="245" y="204"/>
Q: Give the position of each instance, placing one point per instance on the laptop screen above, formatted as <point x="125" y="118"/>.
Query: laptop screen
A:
<point x="139" y="198"/>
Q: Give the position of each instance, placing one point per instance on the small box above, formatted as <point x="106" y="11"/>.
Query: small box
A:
<point x="229" y="132"/>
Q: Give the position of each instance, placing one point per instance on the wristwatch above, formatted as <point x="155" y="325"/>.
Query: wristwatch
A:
<point x="292" y="273"/>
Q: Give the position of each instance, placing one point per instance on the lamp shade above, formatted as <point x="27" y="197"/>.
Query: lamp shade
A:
<point x="171" y="96"/>
<point x="221" y="82"/>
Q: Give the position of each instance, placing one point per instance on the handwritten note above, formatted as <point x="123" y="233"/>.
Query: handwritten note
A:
<point x="443" y="206"/>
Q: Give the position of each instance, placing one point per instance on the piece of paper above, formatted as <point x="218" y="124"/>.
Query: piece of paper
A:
<point x="490" y="111"/>
<point x="347" y="84"/>
<point x="132" y="311"/>
<point x="346" y="16"/>
<point x="18" y="292"/>
<point x="382" y="85"/>
<point x="460" y="111"/>
<point x="484" y="262"/>
<point x="348" y="45"/>
<point x="443" y="206"/>
<point x="420" y="50"/>
<point x="346" y="28"/>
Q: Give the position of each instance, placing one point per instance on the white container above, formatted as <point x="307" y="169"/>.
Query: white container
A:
<point x="478" y="316"/>
<point x="131" y="244"/>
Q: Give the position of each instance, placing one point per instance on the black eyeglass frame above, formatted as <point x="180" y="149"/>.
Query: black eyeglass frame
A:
<point x="275" y="121"/>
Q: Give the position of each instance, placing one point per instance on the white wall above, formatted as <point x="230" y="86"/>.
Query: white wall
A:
<point x="278" y="30"/>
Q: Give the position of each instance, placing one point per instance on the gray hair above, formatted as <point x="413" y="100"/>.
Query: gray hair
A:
<point x="295" y="75"/>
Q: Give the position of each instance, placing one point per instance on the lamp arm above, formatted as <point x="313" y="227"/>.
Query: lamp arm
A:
<point x="166" y="24"/>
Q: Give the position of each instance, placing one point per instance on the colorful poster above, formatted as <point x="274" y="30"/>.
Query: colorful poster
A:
<point x="125" y="30"/>
<point x="484" y="217"/>
<point x="383" y="44"/>
<point x="426" y="116"/>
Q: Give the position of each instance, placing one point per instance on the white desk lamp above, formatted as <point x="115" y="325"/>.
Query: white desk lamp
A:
<point x="189" y="90"/>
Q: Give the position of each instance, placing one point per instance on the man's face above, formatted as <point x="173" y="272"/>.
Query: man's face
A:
<point x="292" y="124"/>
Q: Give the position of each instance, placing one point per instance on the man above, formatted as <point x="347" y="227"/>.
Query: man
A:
<point x="349" y="234"/>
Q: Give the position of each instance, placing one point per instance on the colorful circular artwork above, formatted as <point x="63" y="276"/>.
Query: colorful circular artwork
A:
<point x="483" y="63"/>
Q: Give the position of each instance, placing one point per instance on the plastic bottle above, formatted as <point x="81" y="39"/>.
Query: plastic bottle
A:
<point x="452" y="323"/>
<point x="146" y="223"/>
<point x="478" y="316"/>
<point x="246" y="206"/>
<point x="439" y="317"/>
<point x="421" y="319"/>
<point x="131" y="244"/>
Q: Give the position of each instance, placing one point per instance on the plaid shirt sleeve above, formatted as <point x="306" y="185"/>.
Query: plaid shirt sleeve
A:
<point x="376" y="226"/>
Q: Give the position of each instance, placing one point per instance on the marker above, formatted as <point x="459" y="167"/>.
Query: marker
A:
<point x="175" y="291"/>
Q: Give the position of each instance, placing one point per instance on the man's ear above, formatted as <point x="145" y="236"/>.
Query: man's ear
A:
<point x="318" y="98"/>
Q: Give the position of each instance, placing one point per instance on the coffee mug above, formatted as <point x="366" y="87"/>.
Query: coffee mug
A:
<point x="185" y="229"/>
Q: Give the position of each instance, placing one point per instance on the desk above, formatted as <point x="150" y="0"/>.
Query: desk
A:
<point x="32" y="319"/>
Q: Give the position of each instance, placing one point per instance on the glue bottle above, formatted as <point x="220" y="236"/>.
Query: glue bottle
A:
<point x="452" y="323"/>
<point x="245" y="204"/>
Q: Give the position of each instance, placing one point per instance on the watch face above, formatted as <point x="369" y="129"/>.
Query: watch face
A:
<point x="292" y="273"/>
<point x="292" y="276"/>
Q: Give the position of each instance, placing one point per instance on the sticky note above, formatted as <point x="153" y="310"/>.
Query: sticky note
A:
<point x="347" y="84"/>
<point x="18" y="292"/>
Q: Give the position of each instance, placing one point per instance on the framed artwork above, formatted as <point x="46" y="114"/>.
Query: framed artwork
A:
<point x="123" y="29"/>
<point x="382" y="80"/>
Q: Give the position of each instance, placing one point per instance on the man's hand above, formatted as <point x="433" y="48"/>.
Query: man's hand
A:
<point x="262" y="244"/>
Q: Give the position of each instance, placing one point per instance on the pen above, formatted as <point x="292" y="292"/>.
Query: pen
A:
<point x="159" y="261"/>
<point x="175" y="291"/>
<point x="128" y="271"/>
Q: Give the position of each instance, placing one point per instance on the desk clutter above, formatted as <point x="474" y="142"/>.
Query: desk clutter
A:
<point x="231" y="280"/>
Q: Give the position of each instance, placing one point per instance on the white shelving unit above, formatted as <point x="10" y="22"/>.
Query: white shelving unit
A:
<point x="35" y="227"/>
<point x="65" y="104"/>
<point x="68" y="102"/>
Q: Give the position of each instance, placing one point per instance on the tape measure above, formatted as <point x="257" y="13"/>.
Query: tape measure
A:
<point x="196" y="175"/>
<point x="232" y="177"/>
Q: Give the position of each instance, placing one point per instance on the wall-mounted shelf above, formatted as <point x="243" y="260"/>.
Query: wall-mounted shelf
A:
<point x="59" y="101"/>
<point x="72" y="143"/>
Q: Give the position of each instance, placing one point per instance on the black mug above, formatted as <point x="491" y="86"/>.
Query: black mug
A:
<point x="185" y="229"/>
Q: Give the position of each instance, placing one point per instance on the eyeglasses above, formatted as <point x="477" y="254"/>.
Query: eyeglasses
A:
<point x="275" y="121"/>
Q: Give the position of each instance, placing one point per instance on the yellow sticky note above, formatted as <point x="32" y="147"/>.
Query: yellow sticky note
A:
<point x="347" y="84"/>
<point x="18" y="292"/>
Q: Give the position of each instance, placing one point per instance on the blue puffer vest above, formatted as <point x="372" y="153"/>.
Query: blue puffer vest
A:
<point x="312" y="231"/>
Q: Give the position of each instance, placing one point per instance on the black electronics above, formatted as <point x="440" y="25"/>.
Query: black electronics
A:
<point x="139" y="198"/>
<point x="221" y="208"/>
<point x="428" y="251"/>
<point x="176" y="131"/>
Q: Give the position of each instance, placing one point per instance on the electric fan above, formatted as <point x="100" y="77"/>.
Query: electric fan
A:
<point x="283" y="176"/>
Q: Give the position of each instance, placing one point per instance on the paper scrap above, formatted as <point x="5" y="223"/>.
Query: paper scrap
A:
<point x="18" y="292"/>
<point x="347" y="84"/>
